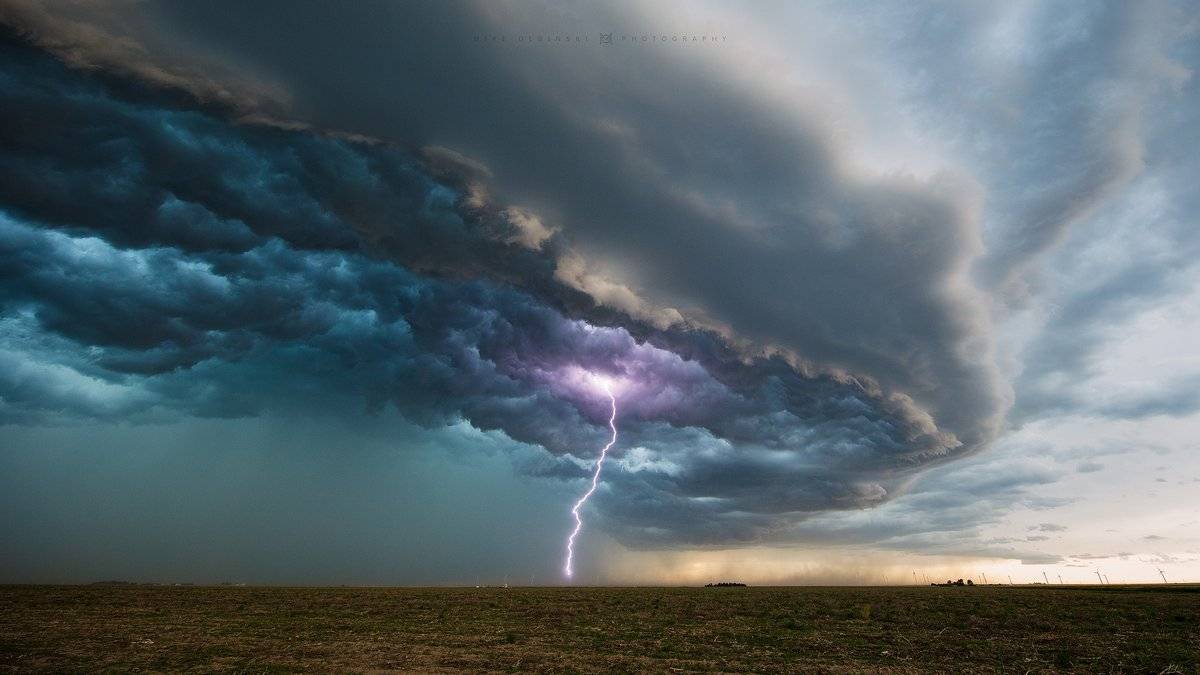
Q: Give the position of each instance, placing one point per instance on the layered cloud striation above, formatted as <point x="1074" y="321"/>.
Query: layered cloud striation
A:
<point x="162" y="259"/>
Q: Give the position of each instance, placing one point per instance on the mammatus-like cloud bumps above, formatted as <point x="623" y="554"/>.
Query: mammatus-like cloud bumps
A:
<point x="161" y="260"/>
<point x="795" y="333"/>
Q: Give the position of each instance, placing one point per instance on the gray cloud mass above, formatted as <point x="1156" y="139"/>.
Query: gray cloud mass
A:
<point x="823" y="298"/>
<point x="160" y="260"/>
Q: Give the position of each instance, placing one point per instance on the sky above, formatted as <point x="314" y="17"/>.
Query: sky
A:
<point x="321" y="293"/>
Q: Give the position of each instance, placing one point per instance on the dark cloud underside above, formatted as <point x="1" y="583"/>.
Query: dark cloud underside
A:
<point x="161" y="261"/>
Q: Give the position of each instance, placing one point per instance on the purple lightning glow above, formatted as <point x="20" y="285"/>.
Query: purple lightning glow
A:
<point x="612" y="424"/>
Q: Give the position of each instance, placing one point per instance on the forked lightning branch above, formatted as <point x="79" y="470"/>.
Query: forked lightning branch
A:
<point x="612" y="424"/>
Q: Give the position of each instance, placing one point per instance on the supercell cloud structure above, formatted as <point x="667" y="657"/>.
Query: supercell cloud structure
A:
<point x="807" y="303"/>
<point x="162" y="260"/>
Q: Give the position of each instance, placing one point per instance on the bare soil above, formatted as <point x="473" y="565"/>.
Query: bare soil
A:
<point x="1144" y="629"/>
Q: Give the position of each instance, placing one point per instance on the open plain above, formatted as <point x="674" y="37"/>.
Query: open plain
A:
<point x="1020" y="629"/>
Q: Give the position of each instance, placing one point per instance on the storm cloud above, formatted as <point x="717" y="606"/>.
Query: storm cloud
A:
<point x="830" y="274"/>
<point x="763" y="229"/>
<point x="162" y="260"/>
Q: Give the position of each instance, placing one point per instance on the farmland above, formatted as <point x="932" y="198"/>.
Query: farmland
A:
<point x="890" y="629"/>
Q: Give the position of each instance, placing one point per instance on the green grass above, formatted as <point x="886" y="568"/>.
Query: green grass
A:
<point x="1149" y="629"/>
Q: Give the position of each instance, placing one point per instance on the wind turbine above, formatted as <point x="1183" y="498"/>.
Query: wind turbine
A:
<point x="984" y="578"/>
<point x="1106" y="579"/>
<point x="1163" y="575"/>
<point x="1060" y="581"/>
<point x="1046" y="577"/>
<point x="1010" y="583"/>
<point x="1099" y="577"/>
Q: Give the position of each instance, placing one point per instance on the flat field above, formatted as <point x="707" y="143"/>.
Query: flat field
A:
<point x="1147" y="629"/>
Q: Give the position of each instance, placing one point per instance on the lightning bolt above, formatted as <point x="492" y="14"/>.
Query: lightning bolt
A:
<point x="612" y="424"/>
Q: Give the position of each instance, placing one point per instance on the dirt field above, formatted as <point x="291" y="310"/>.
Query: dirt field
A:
<point x="983" y="629"/>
